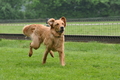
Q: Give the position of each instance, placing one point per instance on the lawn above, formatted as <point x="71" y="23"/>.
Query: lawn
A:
<point x="85" y="28"/>
<point x="84" y="61"/>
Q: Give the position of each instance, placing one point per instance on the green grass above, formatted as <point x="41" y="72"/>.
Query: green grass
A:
<point x="84" y="61"/>
<point x="111" y="30"/>
<point x="13" y="27"/>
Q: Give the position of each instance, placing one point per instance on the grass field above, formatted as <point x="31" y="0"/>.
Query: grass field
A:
<point x="84" y="61"/>
<point x="90" y="29"/>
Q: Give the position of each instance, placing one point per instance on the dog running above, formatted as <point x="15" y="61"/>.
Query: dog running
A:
<point x="52" y="37"/>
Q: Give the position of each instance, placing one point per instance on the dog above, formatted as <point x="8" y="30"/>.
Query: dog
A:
<point x="52" y="37"/>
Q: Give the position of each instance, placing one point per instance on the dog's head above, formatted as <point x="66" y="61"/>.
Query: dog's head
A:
<point x="58" y="25"/>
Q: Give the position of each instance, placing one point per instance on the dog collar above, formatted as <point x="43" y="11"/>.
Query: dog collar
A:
<point x="57" y="36"/>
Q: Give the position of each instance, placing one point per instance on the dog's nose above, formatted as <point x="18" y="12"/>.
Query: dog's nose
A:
<point x="62" y="28"/>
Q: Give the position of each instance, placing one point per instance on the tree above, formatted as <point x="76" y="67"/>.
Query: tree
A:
<point x="10" y="9"/>
<point x="34" y="9"/>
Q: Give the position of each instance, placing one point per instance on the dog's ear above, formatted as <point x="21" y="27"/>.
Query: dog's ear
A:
<point x="64" y="20"/>
<point x="51" y="21"/>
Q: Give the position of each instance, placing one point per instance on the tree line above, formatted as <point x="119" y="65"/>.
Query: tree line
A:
<point x="36" y="9"/>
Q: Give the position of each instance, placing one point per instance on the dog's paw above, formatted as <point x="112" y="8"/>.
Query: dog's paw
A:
<point x="30" y="55"/>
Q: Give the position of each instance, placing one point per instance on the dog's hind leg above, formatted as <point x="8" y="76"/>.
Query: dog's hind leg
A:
<point x="51" y="53"/>
<point x="45" y="56"/>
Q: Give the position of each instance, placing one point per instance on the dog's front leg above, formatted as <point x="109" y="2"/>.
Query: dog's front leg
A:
<point x="30" y="52"/>
<point x="45" y="56"/>
<point x="62" y="56"/>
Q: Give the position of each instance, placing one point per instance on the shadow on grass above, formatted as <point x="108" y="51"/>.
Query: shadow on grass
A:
<point x="37" y="64"/>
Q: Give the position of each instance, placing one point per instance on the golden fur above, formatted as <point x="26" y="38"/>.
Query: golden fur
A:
<point x="52" y="37"/>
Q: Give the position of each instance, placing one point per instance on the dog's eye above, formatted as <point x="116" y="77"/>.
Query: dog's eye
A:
<point x="62" y="23"/>
<point x="57" y="24"/>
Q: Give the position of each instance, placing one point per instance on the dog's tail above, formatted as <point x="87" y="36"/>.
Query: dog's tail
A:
<point x="28" y="30"/>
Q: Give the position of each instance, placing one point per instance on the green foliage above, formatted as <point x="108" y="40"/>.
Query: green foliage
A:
<point x="34" y="9"/>
<point x="10" y="9"/>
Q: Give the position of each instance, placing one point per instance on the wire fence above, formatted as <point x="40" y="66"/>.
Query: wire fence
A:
<point x="85" y="27"/>
<point x="108" y="28"/>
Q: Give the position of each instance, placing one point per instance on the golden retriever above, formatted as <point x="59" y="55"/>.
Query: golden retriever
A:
<point x="52" y="37"/>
